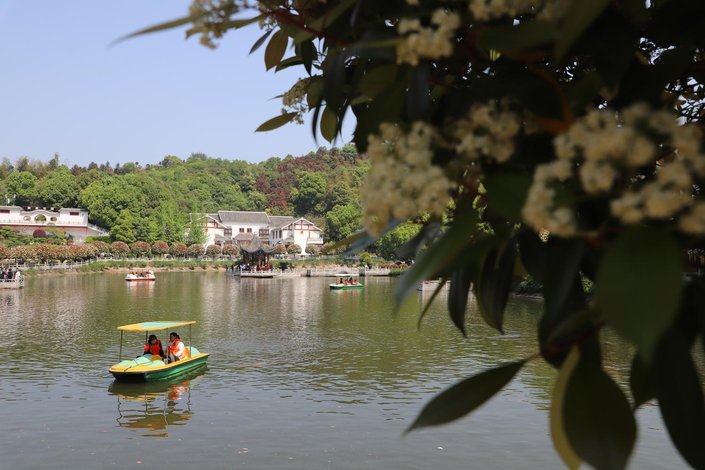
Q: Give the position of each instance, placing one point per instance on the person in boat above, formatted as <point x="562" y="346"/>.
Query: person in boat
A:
<point x="177" y="350"/>
<point x="154" y="347"/>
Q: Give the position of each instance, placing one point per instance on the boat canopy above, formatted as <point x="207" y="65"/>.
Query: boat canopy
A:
<point x="346" y="274"/>
<point x="154" y="325"/>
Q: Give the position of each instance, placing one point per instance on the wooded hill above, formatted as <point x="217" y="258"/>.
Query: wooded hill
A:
<point x="153" y="202"/>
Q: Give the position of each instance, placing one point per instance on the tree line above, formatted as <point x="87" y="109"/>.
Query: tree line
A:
<point x="152" y="203"/>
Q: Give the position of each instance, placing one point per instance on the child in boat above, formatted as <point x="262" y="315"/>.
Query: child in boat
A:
<point x="154" y="347"/>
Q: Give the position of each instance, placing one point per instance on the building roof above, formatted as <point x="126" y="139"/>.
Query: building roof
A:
<point x="256" y="246"/>
<point x="279" y="221"/>
<point x="303" y="221"/>
<point x="243" y="217"/>
<point x="244" y="237"/>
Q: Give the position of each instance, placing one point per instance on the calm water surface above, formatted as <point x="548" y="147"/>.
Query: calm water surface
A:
<point x="299" y="377"/>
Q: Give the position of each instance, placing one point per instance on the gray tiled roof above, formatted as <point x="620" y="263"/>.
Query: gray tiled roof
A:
<point x="243" y="217"/>
<point x="278" y="221"/>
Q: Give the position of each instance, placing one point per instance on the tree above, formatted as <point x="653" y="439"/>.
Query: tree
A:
<point x="342" y="221"/>
<point x="124" y="228"/>
<point x="196" y="234"/>
<point x="293" y="249"/>
<point x="58" y="188"/>
<point x="559" y="137"/>
<point x="140" y="249"/>
<point x="22" y="186"/>
<point x="214" y="251"/>
<point x="196" y="250"/>
<point x="279" y="249"/>
<point x="119" y="249"/>
<point x="160" y="248"/>
<point x="389" y="244"/>
<point x="178" y="250"/>
<point x="231" y="250"/>
<point x="310" y="198"/>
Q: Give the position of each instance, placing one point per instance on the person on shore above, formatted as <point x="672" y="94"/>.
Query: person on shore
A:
<point x="177" y="350"/>
<point x="154" y="347"/>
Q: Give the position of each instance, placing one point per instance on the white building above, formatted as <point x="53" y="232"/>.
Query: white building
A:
<point x="226" y="227"/>
<point x="73" y="222"/>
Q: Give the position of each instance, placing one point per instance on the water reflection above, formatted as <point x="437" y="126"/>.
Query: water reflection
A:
<point x="153" y="407"/>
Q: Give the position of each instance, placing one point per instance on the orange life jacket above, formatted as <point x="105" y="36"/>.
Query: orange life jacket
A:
<point x="155" y="349"/>
<point x="174" y="349"/>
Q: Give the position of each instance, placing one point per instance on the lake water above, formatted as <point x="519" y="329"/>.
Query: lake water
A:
<point x="299" y="377"/>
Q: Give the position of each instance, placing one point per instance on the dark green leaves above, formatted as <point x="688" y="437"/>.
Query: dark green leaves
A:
<point x="275" y="49"/>
<point x="460" y="282"/>
<point x="465" y="396"/>
<point x="522" y="36"/>
<point x="506" y="194"/>
<point x="680" y="396"/>
<point x="597" y="417"/>
<point x="579" y="17"/>
<point x="275" y="122"/>
<point x="329" y="124"/>
<point x="439" y="257"/>
<point x="639" y="285"/>
<point x="494" y="282"/>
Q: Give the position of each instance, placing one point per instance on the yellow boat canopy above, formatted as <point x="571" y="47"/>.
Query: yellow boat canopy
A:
<point x="154" y="325"/>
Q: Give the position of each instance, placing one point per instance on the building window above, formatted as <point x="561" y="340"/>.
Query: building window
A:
<point x="26" y="217"/>
<point x="228" y="232"/>
<point x="4" y="211"/>
<point x="73" y="213"/>
<point x="53" y="219"/>
<point x="242" y="230"/>
<point x="249" y="230"/>
<point x="40" y="218"/>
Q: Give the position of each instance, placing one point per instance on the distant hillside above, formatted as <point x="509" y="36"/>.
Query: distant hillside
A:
<point x="152" y="203"/>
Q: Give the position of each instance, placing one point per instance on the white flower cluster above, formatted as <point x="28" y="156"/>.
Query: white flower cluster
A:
<point x="486" y="10"/>
<point x="487" y="132"/>
<point x="427" y="42"/>
<point x="293" y="100"/>
<point x="402" y="181"/>
<point x="606" y="151"/>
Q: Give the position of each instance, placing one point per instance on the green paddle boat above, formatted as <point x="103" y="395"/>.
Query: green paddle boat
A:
<point x="151" y="367"/>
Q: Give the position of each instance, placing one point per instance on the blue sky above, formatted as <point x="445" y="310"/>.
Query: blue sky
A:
<point x="64" y="89"/>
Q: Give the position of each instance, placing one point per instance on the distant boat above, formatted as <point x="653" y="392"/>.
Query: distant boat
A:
<point x="346" y="281"/>
<point x="17" y="281"/>
<point x="141" y="277"/>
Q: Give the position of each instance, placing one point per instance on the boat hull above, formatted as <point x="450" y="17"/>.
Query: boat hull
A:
<point x="344" y="287"/>
<point x="168" y="371"/>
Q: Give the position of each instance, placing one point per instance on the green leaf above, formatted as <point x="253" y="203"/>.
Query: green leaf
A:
<point x="465" y="396"/>
<point x="163" y="26"/>
<point x="439" y="256"/>
<point x="598" y="420"/>
<point x="494" y="283"/>
<point x="377" y="79"/>
<point x="460" y="282"/>
<point x="275" y="49"/>
<point x="533" y="254"/>
<point x="258" y="43"/>
<point x="641" y="382"/>
<point x="275" y="122"/>
<point x="680" y="396"/>
<point x="308" y="54"/>
<point x="578" y="18"/>
<point x="557" y="420"/>
<point x="437" y="291"/>
<point x="522" y="36"/>
<point x="329" y="124"/>
<point x="639" y="285"/>
<point x="506" y="194"/>
<point x="563" y="256"/>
